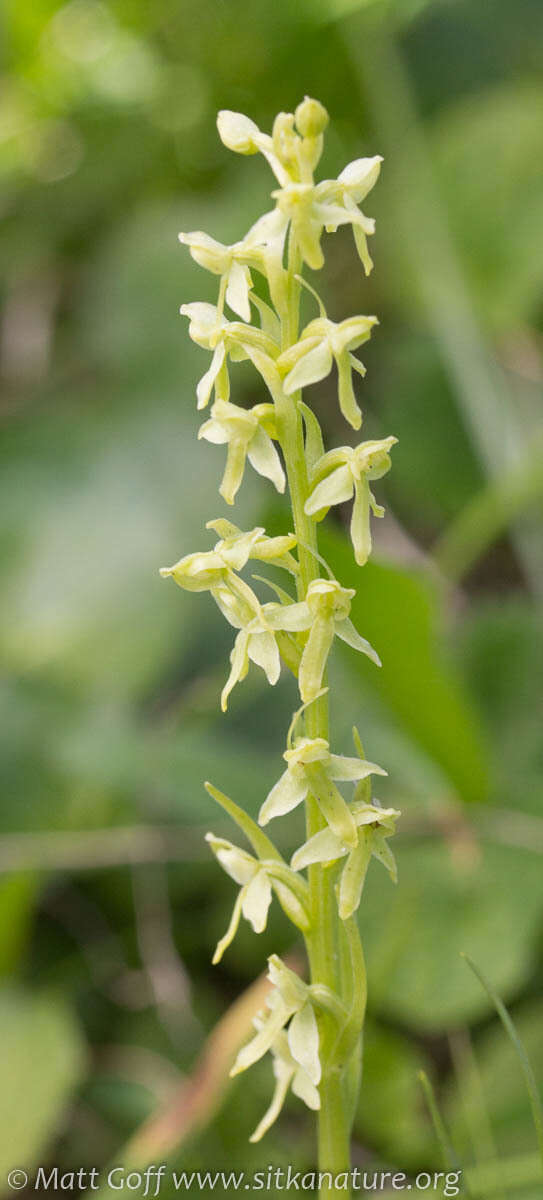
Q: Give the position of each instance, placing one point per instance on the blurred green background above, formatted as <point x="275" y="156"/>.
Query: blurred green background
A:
<point x="110" y="903"/>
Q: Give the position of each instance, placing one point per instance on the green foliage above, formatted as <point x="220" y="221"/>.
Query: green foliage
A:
<point x="43" y="1060"/>
<point x="398" y="611"/>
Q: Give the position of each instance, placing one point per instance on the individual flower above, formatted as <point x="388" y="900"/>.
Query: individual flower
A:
<point x="347" y="472"/>
<point x="248" y="434"/>
<point x="312" y="769"/>
<point x="325" y="613"/>
<point x="257" y="880"/>
<point x="289" y="1003"/>
<point x="348" y="190"/>
<point x="208" y="569"/>
<point x="236" y="547"/>
<point x="321" y="343"/>
<point x="231" y="263"/>
<point x="373" y="825"/>
<point x="234" y="264"/>
<point x="310" y="208"/>
<point x="227" y="339"/>
<point x="288" y="1074"/>
<point x="260" y="625"/>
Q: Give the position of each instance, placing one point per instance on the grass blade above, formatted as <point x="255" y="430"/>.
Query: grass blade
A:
<point x="531" y="1082"/>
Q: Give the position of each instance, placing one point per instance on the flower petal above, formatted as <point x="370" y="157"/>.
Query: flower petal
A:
<point x="213" y="431"/>
<point x="269" y="229"/>
<point x="264" y="458"/>
<point x="262" y="650"/>
<point x="237" y="290"/>
<point x="360" y="522"/>
<point x="239" y="660"/>
<point x="342" y="768"/>
<point x="238" y="864"/>
<point x="230" y="932"/>
<point x="347" y="398"/>
<point x="286" y="794"/>
<point x="323" y="847"/>
<point x="381" y="850"/>
<point x="360" y="176"/>
<point x="310" y="368"/>
<point x="205" y="386"/>
<point x="256" y="900"/>
<point x="347" y="632"/>
<point x="259" y="1045"/>
<point x="306" y="1090"/>
<point x="303" y="1041"/>
<point x="234" y="469"/>
<point x="352" y="879"/>
<point x="284" y="1073"/>
<point x="335" y="489"/>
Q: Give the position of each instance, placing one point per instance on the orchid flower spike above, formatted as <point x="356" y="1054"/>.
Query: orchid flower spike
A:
<point x="345" y="472"/>
<point x="257" y="880"/>
<point x="248" y="434"/>
<point x="311" y="768"/>
<point x="290" y="1004"/>
<point x="373" y="825"/>
<point x="322" y="342"/>
<point x="227" y="339"/>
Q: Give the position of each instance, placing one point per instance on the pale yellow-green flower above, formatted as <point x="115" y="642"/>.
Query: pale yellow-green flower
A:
<point x="374" y="825"/>
<point x="208" y="569"/>
<point x="288" y="1074"/>
<point x="345" y="472"/>
<point x="310" y="208"/>
<point x="325" y="613"/>
<point x="230" y="262"/>
<point x="321" y="343"/>
<point x="257" y="881"/>
<point x="312" y="769"/>
<point x="248" y="434"/>
<point x="289" y="1003"/>
<point x="227" y="339"/>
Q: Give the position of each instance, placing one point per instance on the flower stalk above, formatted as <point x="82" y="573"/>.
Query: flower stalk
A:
<point x="311" y="1029"/>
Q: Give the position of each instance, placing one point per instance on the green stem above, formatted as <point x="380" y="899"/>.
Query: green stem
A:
<point x="323" y="942"/>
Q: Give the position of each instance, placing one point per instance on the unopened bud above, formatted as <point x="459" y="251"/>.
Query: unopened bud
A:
<point x="238" y="132"/>
<point x="311" y="118"/>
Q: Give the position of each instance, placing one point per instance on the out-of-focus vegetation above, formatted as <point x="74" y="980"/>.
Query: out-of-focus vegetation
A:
<point x="110" y="904"/>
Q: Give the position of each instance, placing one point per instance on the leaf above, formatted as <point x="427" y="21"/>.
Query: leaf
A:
<point x="314" y="446"/>
<point x="502" y="1083"/>
<point x="398" y="611"/>
<point x="389" y="1114"/>
<point x="262" y="845"/>
<point x="42" y="1062"/>
<point x="451" y="897"/>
